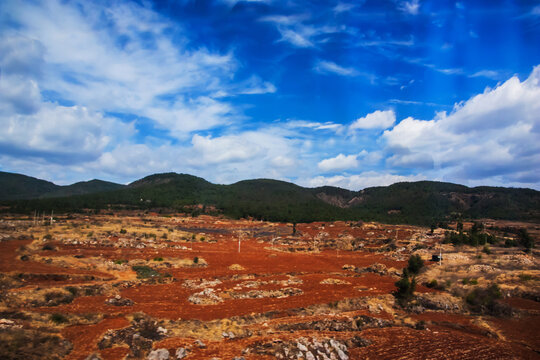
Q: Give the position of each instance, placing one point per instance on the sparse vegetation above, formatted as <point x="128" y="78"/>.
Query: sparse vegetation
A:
<point x="145" y="272"/>
<point x="58" y="318"/>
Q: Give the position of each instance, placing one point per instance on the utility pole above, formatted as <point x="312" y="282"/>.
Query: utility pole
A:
<point x="239" y="241"/>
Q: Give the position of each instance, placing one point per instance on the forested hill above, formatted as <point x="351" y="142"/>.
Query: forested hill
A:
<point x="423" y="202"/>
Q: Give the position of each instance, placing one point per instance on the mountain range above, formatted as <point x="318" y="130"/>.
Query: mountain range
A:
<point x="422" y="202"/>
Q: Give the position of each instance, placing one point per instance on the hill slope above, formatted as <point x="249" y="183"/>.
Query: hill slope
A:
<point x="422" y="202"/>
<point x="17" y="186"/>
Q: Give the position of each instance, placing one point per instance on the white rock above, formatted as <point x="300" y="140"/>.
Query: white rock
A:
<point x="181" y="353"/>
<point x="159" y="354"/>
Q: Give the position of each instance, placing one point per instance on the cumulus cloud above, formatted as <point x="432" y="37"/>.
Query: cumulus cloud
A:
<point x="140" y="63"/>
<point x="340" y="162"/>
<point x="376" y="120"/>
<point x="361" y="181"/>
<point x="491" y="136"/>
<point x="61" y="134"/>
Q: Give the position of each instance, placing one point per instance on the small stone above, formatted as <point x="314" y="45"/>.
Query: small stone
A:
<point x="301" y="347"/>
<point x="159" y="354"/>
<point x="200" y="344"/>
<point x="231" y="335"/>
<point x="181" y="353"/>
<point x="309" y="356"/>
<point x="342" y="355"/>
<point x="93" y="357"/>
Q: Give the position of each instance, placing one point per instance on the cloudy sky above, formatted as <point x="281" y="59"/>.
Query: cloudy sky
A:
<point x="352" y="94"/>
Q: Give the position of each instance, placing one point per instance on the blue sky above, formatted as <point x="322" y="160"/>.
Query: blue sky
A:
<point x="352" y="94"/>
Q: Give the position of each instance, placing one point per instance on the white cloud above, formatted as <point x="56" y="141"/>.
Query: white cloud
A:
<point x="325" y="67"/>
<point x="295" y="31"/>
<point x="360" y="181"/>
<point x="490" y="74"/>
<point x="138" y="63"/>
<point x="492" y="136"/>
<point x="410" y="7"/>
<point x="338" y="163"/>
<point x="375" y="120"/>
<point x="61" y="134"/>
<point x="292" y="124"/>
<point x="224" y="149"/>
<point x="343" y="7"/>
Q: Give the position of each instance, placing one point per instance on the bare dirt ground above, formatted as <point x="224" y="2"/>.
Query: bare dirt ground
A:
<point x="141" y="285"/>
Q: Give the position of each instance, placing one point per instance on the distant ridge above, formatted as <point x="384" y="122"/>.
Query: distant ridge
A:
<point x="16" y="186"/>
<point x="422" y="202"/>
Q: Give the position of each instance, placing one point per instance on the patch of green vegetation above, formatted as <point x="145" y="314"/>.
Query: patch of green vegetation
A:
<point x="469" y="281"/>
<point x="120" y="261"/>
<point x="158" y="259"/>
<point x="145" y="272"/>
<point x="485" y="300"/>
<point x="195" y="260"/>
<point x="123" y="231"/>
<point x="526" y="277"/>
<point x="58" y="318"/>
<point x="415" y="264"/>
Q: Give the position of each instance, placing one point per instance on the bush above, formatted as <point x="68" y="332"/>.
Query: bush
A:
<point x="432" y="284"/>
<point x="405" y="289"/>
<point x="486" y="301"/>
<point x="486" y="250"/>
<point x="123" y="231"/>
<point x="525" y="239"/>
<point x="120" y="261"/>
<point x="195" y="260"/>
<point x="158" y="259"/>
<point x="55" y="298"/>
<point x="510" y="243"/>
<point x="415" y="264"/>
<point x="58" y="318"/>
<point x="145" y="272"/>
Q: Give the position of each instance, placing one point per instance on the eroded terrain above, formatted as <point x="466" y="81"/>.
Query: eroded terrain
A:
<point x="141" y="285"/>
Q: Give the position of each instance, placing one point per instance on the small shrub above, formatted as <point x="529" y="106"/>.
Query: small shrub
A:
<point x="48" y="247"/>
<point x="47" y="237"/>
<point x="510" y="243"/>
<point x="415" y="264"/>
<point x="432" y="284"/>
<point x="120" y="261"/>
<point x="485" y="300"/>
<point x="90" y="234"/>
<point x="55" y="298"/>
<point x="145" y="272"/>
<point x="158" y="259"/>
<point x="73" y="290"/>
<point x="123" y="231"/>
<point x="405" y="289"/>
<point x="195" y="260"/>
<point x="525" y="277"/>
<point x="58" y="318"/>
<point x="486" y="250"/>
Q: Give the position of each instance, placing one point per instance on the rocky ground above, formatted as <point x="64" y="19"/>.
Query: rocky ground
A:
<point x="145" y="286"/>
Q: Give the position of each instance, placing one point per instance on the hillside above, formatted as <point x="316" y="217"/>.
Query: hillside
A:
<point x="17" y="186"/>
<point x="423" y="202"/>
